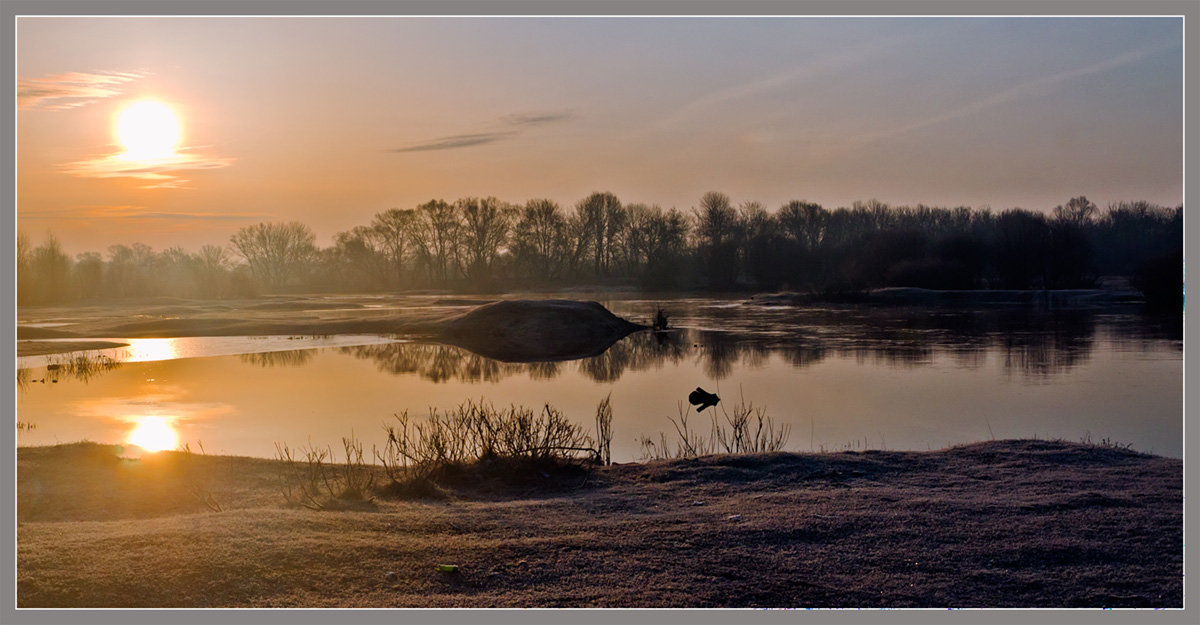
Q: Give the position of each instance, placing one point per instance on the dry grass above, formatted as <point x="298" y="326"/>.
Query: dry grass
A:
<point x="748" y="430"/>
<point x="996" y="524"/>
<point x="477" y="443"/>
<point x="309" y="477"/>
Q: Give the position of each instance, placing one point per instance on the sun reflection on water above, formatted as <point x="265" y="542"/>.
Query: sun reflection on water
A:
<point x="146" y="350"/>
<point x="154" y="433"/>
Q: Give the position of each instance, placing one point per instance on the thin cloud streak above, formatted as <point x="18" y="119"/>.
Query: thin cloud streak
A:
<point x="814" y="68"/>
<point x="60" y="92"/>
<point x="159" y="174"/>
<point x="537" y="119"/>
<point x="458" y="141"/>
<point x="1023" y="89"/>
<point x="129" y="212"/>
<point x="516" y="123"/>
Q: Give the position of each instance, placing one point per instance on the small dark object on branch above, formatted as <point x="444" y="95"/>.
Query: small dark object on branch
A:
<point x="702" y="398"/>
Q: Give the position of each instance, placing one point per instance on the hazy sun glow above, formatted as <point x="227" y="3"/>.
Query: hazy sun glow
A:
<point x="148" y="130"/>
<point x="153" y="434"/>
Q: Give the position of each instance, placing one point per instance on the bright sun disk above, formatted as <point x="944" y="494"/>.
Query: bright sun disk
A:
<point x="148" y="130"/>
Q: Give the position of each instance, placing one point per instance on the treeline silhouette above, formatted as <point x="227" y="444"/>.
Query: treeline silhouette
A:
<point x="486" y="244"/>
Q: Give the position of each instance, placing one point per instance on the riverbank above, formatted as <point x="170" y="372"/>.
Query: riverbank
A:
<point x="1017" y="523"/>
<point x="508" y="330"/>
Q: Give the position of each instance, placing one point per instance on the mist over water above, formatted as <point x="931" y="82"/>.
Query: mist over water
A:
<point x="841" y="377"/>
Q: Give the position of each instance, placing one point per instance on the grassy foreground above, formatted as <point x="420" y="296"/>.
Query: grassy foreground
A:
<point x="995" y="524"/>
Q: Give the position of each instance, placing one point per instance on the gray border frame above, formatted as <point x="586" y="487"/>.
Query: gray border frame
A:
<point x="9" y="11"/>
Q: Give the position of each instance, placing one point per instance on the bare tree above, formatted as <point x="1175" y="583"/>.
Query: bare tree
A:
<point x="540" y="238"/>
<point x="277" y="253"/>
<point x="486" y="225"/>
<point x="656" y="243"/>
<point x="357" y="260"/>
<point x="394" y="230"/>
<point x="435" y="233"/>
<point x="593" y="214"/>
<point x="1079" y="211"/>
<point x="87" y="274"/>
<point x="210" y="266"/>
<point x="51" y="271"/>
<point x="804" y="222"/>
<point x="24" y="269"/>
<point x="718" y="234"/>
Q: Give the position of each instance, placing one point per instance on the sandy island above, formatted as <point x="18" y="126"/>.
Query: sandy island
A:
<point x="995" y="524"/>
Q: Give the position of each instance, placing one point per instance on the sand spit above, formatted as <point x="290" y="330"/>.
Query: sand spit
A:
<point x="512" y="330"/>
<point x="40" y="348"/>
<point x="537" y="330"/>
<point x="995" y="524"/>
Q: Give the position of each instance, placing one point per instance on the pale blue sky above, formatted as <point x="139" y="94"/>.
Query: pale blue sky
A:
<point x="330" y="120"/>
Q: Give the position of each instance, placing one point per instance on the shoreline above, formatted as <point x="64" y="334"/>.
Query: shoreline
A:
<point x="429" y="316"/>
<point x="1014" y="523"/>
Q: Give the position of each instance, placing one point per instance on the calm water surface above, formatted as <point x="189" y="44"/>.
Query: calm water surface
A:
<point x="838" y="377"/>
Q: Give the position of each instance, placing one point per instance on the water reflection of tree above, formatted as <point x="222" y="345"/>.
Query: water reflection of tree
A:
<point x="1156" y="332"/>
<point x="289" y="358"/>
<point x="1064" y="342"/>
<point x="1033" y="342"/>
<point x="82" y="367"/>
<point x="441" y="363"/>
<point x="636" y="352"/>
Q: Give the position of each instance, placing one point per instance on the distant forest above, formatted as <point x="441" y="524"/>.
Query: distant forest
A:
<point x="484" y="244"/>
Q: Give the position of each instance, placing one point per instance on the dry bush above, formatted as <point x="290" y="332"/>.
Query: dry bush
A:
<point x="748" y="430"/>
<point x="418" y="453"/>
<point x="689" y="443"/>
<point x="604" y="416"/>
<point x="310" y="478"/>
<point x="197" y="474"/>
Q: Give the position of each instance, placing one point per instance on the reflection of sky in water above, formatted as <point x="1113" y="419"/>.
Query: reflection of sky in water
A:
<point x="147" y="350"/>
<point x="896" y="381"/>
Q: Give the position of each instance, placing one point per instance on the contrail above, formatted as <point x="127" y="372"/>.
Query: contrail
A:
<point x="1023" y="89"/>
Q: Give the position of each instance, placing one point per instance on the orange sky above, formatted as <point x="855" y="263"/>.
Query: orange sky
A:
<point x="331" y="120"/>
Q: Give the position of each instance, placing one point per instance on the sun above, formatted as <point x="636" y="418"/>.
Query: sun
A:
<point x="148" y="130"/>
<point x="154" y="434"/>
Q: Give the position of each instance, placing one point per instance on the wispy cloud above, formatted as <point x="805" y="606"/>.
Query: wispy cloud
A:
<point x="128" y="409"/>
<point x="458" y="141"/>
<point x="1018" y="91"/>
<point x="93" y="212"/>
<point x="58" y="92"/>
<point x="537" y="119"/>
<point x="508" y="127"/>
<point x="806" y="70"/>
<point x="160" y="173"/>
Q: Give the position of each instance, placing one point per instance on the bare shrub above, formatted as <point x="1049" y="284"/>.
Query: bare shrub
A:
<point x="310" y="478"/>
<point x="689" y="443"/>
<point x="747" y="430"/>
<point x="197" y="474"/>
<point x="418" y="452"/>
<point x="750" y="430"/>
<point x="604" y="416"/>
